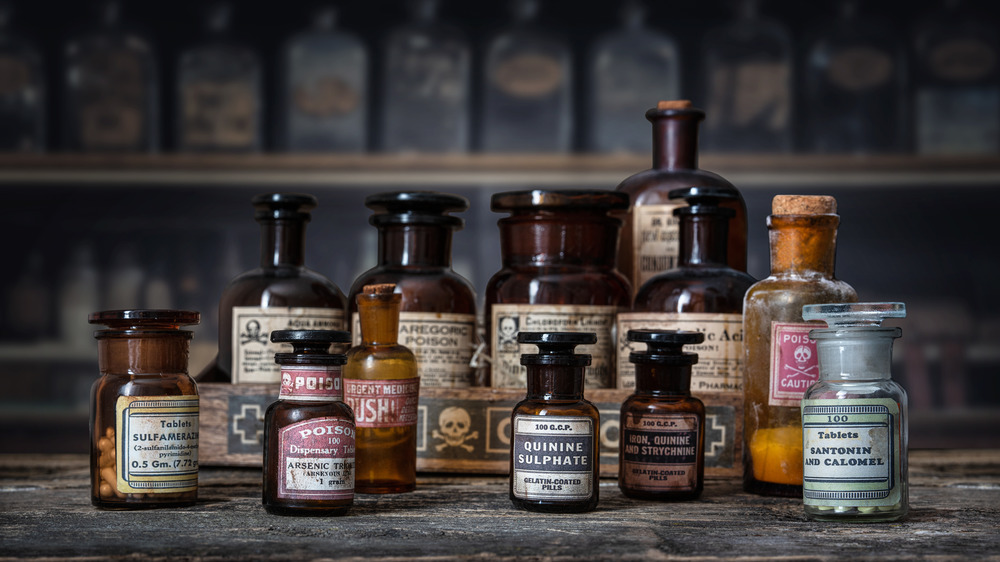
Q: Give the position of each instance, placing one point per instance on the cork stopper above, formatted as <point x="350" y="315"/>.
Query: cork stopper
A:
<point x="380" y="289"/>
<point x="673" y="104"/>
<point x="803" y="205"/>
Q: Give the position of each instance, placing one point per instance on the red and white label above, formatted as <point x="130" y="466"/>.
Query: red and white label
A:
<point x="317" y="460"/>
<point x="383" y="403"/>
<point x="794" y="362"/>
<point x="313" y="384"/>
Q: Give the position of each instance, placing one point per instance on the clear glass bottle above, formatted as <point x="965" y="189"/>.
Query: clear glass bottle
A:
<point x="426" y="83"/>
<point x="324" y="98"/>
<point x="555" y="423"/>
<point x="662" y="443"/>
<point x="219" y="91"/>
<point x="143" y="411"/>
<point x="112" y="88"/>
<point x="309" y="431"/>
<point x="528" y="88"/>
<point x="382" y="387"/>
<point x="854" y="419"/>
<point x="437" y="319"/>
<point x="780" y="359"/>
<point x="22" y="90"/>
<point x="956" y="82"/>
<point x="748" y="67"/>
<point x="649" y="243"/>
<point x="558" y="254"/>
<point x="629" y="67"/>
<point x="281" y="294"/>
<point x="855" y="79"/>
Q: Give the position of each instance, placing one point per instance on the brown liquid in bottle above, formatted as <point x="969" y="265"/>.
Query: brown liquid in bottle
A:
<point x="381" y="386"/>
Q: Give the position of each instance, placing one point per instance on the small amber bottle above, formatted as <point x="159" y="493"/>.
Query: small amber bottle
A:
<point x="143" y="411"/>
<point x="382" y="387"/>
<point x="554" y="459"/>
<point x="309" y="431"/>
<point x="662" y="445"/>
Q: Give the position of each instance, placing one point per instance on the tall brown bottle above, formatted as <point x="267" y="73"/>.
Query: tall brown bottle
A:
<point x="437" y="318"/>
<point x="382" y="388"/>
<point x="649" y="241"/>
<point x="781" y="360"/>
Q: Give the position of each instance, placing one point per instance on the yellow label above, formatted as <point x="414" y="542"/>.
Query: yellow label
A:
<point x="157" y="445"/>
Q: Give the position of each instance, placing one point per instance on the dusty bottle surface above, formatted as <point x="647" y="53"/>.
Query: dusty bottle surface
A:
<point x="650" y="238"/>
<point x="437" y="319"/>
<point x="780" y="358"/>
<point x="554" y="460"/>
<point x="662" y="444"/>
<point x="309" y="431"/>
<point x="281" y="294"/>
<point x="381" y="385"/>
<point x="143" y="411"/>
<point x="854" y="419"/>
<point x="558" y="251"/>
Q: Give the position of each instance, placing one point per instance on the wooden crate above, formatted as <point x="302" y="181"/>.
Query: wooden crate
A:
<point x="232" y="427"/>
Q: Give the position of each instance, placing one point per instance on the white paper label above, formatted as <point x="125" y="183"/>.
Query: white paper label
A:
<point x="253" y="351"/>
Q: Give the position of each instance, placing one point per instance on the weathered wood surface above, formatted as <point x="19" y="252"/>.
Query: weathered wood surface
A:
<point x="45" y="512"/>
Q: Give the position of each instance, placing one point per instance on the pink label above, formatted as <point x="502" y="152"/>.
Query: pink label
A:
<point x="794" y="364"/>
<point x="311" y="383"/>
<point x="385" y="403"/>
<point x="317" y="460"/>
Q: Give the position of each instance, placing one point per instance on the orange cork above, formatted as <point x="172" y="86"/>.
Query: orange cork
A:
<point x="803" y="205"/>
<point x="673" y="104"/>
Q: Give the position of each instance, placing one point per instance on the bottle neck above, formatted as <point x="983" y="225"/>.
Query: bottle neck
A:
<point x="559" y="382"/>
<point x="379" y="315"/>
<point x="663" y="379"/>
<point x="856" y="355"/>
<point x="414" y="245"/>
<point x="703" y="240"/>
<point x="675" y="141"/>
<point x="566" y="239"/>
<point x="143" y="354"/>
<point x="282" y="243"/>
<point x="803" y="244"/>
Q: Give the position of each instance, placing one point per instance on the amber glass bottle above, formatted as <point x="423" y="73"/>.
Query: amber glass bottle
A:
<point x="662" y="445"/>
<point x="558" y="252"/>
<point x="281" y="294"/>
<point x="382" y="388"/>
<point x="437" y="319"/>
<point x="554" y="459"/>
<point x="309" y="431"/>
<point x="649" y="242"/>
<point x="143" y="411"/>
<point x="781" y="360"/>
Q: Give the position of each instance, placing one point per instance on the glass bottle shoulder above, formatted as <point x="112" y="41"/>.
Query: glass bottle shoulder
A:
<point x="791" y="292"/>
<point x="856" y="389"/>
<point x="694" y="289"/>
<point x="556" y="407"/>
<point x="424" y="289"/>
<point x="283" y="286"/>
<point x="287" y="411"/>
<point x="165" y="384"/>
<point x="559" y="285"/>
<point x="650" y="187"/>
<point x="378" y="362"/>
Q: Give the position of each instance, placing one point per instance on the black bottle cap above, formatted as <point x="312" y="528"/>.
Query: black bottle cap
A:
<point x="665" y="346"/>
<point x="558" y="199"/>
<point x="143" y="320"/>
<point x="310" y="347"/>
<point x="556" y="348"/>
<point x="416" y="207"/>
<point x="703" y="200"/>
<point x="284" y="206"/>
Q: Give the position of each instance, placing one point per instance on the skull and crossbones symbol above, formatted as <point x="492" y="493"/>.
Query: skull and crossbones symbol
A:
<point x="455" y="424"/>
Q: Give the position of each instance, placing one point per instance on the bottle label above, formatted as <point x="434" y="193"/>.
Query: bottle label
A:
<point x="529" y="76"/>
<point x="113" y="91"/>
<point x="655" y="241"/>
<point x="962" y="60"/>
<point x="219" y="114"/>
<point x="253" y="351"/>
<point x="851" y="452"/>
<point x="553" y="457"/>
<point x="751" y="94"/>
<point x="317" y="460"/>
<point x="326" y="97"/>
<point x="509" y="319"/>
<point x="720" y="356"/>
<point x="311" y="383"/>
<point x="443" y="344"/>
<point x="383" y="403"/>
<point x="794" y="363"/>
<point x="660" y="451"/>
<point x="157" y="445"/>
<point x="860" y="68"/>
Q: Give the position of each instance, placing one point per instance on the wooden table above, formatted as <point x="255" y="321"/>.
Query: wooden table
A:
<point x="45" y="512"/>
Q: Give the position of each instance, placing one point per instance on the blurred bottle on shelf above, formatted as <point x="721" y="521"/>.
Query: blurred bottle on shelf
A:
<point x="747" y="69"/>
<point x="22" y="90"/>
<point x="630" y="68"/>
<point x="112" y="88"/>
<point x="426" y="77"/>
<point x="157" y="292"/>
<point x="957" y="82"/>
<point x="219" y="89"/>
<point x="324" y="89"/>
<point x="28" y="310"/>
<point x="125" y="279"/>
<point x="855" y="80"/>
<point x="79" y="296"/>
<point x="528" y="87"/>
